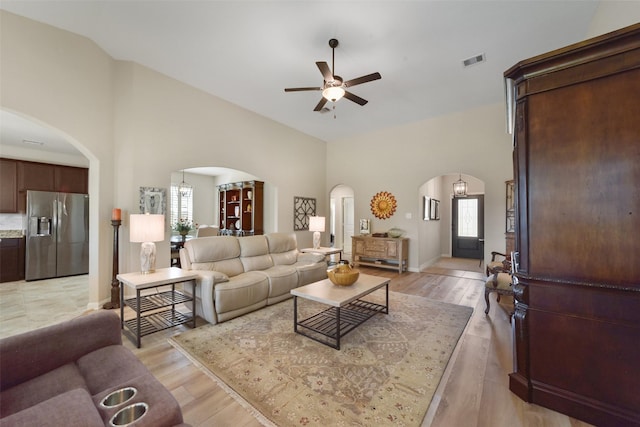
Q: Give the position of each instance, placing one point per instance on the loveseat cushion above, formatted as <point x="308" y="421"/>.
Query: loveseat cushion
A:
<point x="31" y="354"/>
<point x="40" y="389"/>
<point x="164" y="409"/>
<point x="72" y="408"/>
<point x="109" y="366"/>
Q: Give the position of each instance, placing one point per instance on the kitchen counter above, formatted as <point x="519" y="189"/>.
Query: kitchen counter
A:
<point x="11" y="234"/>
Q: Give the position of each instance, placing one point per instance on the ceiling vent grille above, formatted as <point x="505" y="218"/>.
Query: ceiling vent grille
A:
<point x="474" y="60"/>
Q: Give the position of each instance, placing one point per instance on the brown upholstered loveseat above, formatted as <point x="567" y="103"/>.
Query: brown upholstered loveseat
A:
<point x="59" y="376"/>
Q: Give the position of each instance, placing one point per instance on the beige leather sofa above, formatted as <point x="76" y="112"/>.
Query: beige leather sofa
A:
<point x="238" y="275"/>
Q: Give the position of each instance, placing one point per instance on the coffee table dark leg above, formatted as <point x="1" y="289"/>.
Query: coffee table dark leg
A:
<point x="386" y="310"/>
<point x="337" y="328"/>
<point x="295" y="314"/>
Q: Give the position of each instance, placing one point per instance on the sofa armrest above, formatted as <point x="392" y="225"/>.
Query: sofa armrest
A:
<point x="206" y="282"/>
<point x="31" y="354"/>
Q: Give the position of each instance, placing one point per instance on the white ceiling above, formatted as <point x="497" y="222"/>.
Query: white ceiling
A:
<point x="247" y="52"/>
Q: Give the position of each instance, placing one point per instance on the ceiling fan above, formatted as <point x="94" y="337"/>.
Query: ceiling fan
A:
<point x="334" y="87"/>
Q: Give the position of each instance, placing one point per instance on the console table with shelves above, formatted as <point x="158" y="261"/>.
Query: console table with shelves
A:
<point x="155" y="311"/>
<point x="241" y="211"/>
<point x="384" y="252"/>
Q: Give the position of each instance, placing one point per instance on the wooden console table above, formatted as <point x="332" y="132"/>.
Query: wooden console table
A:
<point x="383" y="252"/>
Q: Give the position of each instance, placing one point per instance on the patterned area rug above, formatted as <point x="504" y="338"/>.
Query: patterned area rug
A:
<point x="386" y="372"/>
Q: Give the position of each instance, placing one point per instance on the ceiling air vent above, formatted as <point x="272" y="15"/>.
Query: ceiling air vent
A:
<point x="474" y="60"/>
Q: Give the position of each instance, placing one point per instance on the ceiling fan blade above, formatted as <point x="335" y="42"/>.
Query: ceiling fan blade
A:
<point x="323" y="101"/>
<point x="354" y="98"/>
<point x="298" y="89"/>
<point x="325" y="70"/>
<point x="363" y="79"/>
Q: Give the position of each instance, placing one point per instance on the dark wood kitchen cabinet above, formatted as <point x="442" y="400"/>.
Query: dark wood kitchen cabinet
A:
<point x="11" y="259"/>
<point x="8" y="186"/>
<point x="44" y="177"/>
<point x="577" y="171"/>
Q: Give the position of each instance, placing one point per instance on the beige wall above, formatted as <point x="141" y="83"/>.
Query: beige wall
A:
<point x="401" y="159"/>
<point x="65" y="82"/>
<point x="136" y="126"/>
<point x="612" y="15"/>
<point x="163" y="125"/>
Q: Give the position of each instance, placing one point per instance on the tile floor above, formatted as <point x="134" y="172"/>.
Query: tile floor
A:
<point x="25" y="306"/>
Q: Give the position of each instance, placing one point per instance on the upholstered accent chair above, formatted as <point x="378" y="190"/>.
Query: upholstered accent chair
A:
<point x="499" y="262"/>
<point x="500" y="279"/>
<point x="207" y="231"/>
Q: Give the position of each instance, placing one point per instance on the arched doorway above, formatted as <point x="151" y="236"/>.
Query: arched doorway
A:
<point x="435" y="232"/>
<point x="341" y="221"/>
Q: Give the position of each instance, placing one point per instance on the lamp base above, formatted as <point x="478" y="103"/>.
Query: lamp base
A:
<point x="316" y="239"/>
<point x="148" y="257"/>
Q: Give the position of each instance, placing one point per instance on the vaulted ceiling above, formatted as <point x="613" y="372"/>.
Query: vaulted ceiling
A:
<point x="247" y="52"/>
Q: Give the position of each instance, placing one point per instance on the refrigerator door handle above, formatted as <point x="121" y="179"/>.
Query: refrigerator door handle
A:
<point x="56" y="218"/>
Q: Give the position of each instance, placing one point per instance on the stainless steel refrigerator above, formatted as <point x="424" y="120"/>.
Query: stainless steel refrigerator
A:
<point x="57" y="235"/>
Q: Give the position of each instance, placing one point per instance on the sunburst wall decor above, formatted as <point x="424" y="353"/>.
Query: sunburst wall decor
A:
<point x="383" y="205"/>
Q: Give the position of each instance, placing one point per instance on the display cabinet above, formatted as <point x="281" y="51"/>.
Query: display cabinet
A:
<point x="576" y="325"/>
<point x="241" y="208"/>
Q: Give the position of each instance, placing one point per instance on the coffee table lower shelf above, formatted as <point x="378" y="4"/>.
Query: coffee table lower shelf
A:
<point x="331" y="324"/>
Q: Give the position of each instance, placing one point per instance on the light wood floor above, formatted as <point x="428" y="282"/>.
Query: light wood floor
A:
<point x="473" y="392"/>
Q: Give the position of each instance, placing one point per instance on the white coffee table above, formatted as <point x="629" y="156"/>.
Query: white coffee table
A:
<point x="346" y="308"/>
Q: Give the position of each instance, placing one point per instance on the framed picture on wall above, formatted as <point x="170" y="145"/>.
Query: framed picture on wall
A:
<point x="153" y="200"/>
<point x="365" y="226"/>
<point x="434" y="211"/>
<point x="427" y="208"/>
<point x="303" y="208"/>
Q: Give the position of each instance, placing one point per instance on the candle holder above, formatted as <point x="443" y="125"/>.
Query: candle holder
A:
<point x="115" y="284"/>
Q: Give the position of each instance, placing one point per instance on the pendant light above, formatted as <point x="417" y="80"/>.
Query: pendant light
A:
<point x="460" y="187"/>
<point x="184" y="189"/>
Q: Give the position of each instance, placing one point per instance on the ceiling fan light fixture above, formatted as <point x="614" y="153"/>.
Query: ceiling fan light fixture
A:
<point x="333" y="93"/>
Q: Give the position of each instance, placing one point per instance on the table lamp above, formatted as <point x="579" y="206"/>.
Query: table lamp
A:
<point x="146" y="229"/>
<point x="316" y="224"/>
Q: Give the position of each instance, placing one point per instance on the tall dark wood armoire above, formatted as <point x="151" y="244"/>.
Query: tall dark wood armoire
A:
<point x="577" y="171"/>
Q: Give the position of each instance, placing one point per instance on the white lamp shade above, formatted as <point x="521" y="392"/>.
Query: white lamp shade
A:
<point x="316" y="223"/>
<point x="146" y="228"/>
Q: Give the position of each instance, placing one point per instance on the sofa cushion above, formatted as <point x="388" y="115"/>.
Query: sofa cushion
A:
<point x="228" y="267"/>
<point x="72" y="408"/>
<point x="240" y="291"/>
<point x="39" y="389"/>
<point x="254" y="253"/>
<point x="282" y="278"/>
<point x="108" y="367"/>
<point x="281" y="242"/>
